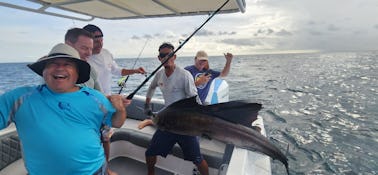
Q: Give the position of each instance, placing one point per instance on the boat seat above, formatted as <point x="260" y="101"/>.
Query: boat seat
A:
<point x="15" y="168"/>
<point x="10" y="150"/>
<point x="11" y="161"/>
<point x="214" y="159"/>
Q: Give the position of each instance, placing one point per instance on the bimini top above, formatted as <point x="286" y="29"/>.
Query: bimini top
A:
<point x="124" y="9"/>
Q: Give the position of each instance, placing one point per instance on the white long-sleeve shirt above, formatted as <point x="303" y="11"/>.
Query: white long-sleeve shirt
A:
<point x="105" y="66"/>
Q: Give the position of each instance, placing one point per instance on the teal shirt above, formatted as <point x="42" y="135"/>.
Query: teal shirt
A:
<point x="59" y="132"/>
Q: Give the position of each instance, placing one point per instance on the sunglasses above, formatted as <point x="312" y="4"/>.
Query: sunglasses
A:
<point x="163" y="55"/>
<point x="98" y="36"/>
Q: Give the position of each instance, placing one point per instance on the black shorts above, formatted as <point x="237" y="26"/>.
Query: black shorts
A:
<point x="163" y="141"/>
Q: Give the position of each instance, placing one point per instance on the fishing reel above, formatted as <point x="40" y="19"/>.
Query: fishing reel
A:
<point x="122" y="81"/>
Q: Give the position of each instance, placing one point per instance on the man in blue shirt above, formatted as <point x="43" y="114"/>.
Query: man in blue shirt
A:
<point x="203" y="75"/>
<point x="59" y="123"/>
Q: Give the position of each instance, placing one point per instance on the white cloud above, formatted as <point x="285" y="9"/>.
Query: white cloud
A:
<point x="267" y="26"/>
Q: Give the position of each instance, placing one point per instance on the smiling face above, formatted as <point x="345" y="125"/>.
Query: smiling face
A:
<point x="201" y="64"/>
<point x="84" y="46"/>
<point x="60" y="75"/>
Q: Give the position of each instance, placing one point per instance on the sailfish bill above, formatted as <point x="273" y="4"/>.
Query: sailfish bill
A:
<point x="227" y="122"/>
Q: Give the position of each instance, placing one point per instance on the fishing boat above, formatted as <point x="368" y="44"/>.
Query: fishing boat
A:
<point x="128" y="143"/>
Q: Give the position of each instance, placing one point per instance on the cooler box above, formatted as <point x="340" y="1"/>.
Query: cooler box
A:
<point x="218" y="92"/>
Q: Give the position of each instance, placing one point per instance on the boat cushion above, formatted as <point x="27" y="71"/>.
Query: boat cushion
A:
<point x="10" y="150"/>
<point x="11" y="161"/>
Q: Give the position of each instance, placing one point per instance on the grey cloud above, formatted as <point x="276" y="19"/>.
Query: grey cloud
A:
<point x="283" y="32"/>
<point x="241" y="42"/>
<point x="332" y="27"/>
<point x="376" y="26"/>
<point x="212" y="33"/>
<point x="264" y="32"/>
<point x="147" y="36"/>
<point x="135" y="37"/>
<point x="226" y="33"/>
<point x="171" y="36"/>
<point x="357" y="32"/>
<point x="317" y="33"/>
<point x="311" y="23"/>
<point x="205" y="33"/>
<point x="269" y="31"/>
<point x="222" y="33"/>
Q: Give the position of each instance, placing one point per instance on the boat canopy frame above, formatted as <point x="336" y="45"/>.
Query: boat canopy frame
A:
<point x="88" y="10"/>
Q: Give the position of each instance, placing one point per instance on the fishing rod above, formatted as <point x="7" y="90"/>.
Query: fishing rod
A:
<point x="123" y="83"/>
<point x="167" y="57"/>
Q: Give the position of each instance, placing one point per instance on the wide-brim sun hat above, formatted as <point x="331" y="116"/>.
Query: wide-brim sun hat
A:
<point x="63" y="51"/>
<point x="202" y="55"/>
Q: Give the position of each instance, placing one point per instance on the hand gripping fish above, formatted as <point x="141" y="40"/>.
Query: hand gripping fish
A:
<point x="228" y="122"/>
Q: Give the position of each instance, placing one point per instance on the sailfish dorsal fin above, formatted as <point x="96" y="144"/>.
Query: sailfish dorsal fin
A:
<point x="187" y="102"/>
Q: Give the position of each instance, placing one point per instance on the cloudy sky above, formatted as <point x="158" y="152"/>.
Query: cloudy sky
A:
<point x="267" y="26"/>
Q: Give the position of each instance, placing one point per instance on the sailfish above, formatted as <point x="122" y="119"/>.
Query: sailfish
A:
<point x="228" y="122"/>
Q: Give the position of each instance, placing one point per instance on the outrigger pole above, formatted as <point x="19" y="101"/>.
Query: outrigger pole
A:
<point x="166" y="58"/>
<point x="123" y="83"/>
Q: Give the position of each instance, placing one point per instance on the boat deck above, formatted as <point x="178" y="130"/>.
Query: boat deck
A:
<point x="128" y="166"/>
<point x="136" y="141"/>
<point x="120" y="165"/>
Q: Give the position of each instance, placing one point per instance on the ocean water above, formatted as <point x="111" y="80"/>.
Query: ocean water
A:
<point x="322" y="106"/>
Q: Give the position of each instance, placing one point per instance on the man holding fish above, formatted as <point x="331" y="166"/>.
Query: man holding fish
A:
<point x="176" y="84"/>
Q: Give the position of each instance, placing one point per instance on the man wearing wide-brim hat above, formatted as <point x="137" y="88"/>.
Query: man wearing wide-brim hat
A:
<point x="59" y="122"/>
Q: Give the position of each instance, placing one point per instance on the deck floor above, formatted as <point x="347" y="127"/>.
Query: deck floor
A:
<point x="127" y="166"/>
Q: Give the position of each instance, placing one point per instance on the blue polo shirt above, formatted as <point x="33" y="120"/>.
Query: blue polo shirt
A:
<point x="203" y="89"/>
<point x="59" y="132"/>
